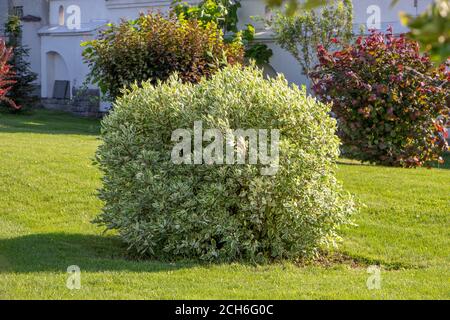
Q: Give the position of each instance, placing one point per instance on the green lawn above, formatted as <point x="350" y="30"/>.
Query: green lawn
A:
<point x="48" y="198"/>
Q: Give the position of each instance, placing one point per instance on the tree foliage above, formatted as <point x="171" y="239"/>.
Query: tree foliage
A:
<point x="221" y="12"/>
<point x="224" y="14"/>
<point x="330" y="26"/>
<point x="430" y="29"/>
<point x="22" y="90"/>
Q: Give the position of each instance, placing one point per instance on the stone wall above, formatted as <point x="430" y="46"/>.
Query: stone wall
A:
<point x="84" y="104"/>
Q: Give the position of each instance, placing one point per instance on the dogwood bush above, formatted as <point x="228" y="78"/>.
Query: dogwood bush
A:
<point x="221" y="212"/>
<point x="391" y="102"/>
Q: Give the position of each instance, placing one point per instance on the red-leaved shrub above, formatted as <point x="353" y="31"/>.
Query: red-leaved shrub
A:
<point x="390" y="101"/>
<point x="6" y="75"/>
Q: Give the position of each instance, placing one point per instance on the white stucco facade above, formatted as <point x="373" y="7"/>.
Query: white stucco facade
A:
<point x="33" y="8"/>
<point x="61" y="57"/>
<point x="56" y="51"/>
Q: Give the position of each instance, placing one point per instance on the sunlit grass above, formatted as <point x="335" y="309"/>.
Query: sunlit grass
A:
<point x="48" y="198"/>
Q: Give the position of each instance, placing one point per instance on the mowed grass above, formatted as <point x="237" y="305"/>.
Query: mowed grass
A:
<point x="48" y="199"/>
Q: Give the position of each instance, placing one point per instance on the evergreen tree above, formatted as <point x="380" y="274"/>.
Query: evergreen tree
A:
<point x="22" y="91"/>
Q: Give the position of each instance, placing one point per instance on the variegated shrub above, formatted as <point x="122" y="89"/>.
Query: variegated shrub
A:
<point x="221" y="212"/>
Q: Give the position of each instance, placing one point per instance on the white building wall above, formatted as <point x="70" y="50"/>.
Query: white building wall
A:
<point x="363" y="10"/>
<point x="3" y="15"/>
<point x="67" y="43"/>
<point x="57" y="39"/>
<point x="112" y="10"/>
<point x="61" y="60"/>
<point x="36" y="8"/>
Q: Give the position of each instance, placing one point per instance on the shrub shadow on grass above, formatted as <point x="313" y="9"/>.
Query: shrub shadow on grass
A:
<point x="433" y="165"/>
<point x="48" y="122"/>
<point x="54" y="252"/>
<point x="352" y="163"/>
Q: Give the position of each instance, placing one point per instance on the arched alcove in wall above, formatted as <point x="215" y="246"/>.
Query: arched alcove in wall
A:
<point x="56" y="70"/>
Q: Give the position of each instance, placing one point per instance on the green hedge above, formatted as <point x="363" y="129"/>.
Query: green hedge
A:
<point x="221" y="212"/>
<point x="154" y="46"/>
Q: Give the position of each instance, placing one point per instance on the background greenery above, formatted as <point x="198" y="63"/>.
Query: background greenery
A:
<point x="152" y="47"/>
<point x="431" y="28"/>
<point x="301" y="34"/>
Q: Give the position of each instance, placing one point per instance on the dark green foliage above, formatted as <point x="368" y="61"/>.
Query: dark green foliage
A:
<point x="22" y="90"/>
<point x="153" y="47"/>
<point x="225" y="14"/>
